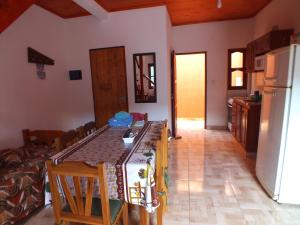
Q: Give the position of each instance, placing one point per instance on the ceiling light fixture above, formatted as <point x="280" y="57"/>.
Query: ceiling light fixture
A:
<point x="219" y="4"/>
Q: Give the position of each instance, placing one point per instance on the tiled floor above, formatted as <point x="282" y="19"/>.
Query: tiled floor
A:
<point x="212" y="183"/>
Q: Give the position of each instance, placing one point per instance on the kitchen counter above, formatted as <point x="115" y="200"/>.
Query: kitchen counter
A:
<point x="246" y="101"/>
<point x="245" y="122"/>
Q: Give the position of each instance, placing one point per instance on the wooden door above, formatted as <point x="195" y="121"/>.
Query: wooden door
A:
<point x="109" y="82"/>
<point x="173" y="94"/>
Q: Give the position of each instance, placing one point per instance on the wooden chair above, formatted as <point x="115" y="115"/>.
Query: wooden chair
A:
<point x="81" y="208"/>
<point x="89" y="128"/>
<point x="146" y="117"/>
<point x="80" y="132"/>
<point x="66" y="140"/>
<point x="40" y="137"/>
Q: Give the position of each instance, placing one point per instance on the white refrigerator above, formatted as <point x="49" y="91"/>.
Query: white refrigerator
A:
<point x="278" y="153"/>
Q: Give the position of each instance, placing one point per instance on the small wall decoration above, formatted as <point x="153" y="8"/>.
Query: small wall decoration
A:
<point x="40" y="70"/>
<point x="40" y="60"/>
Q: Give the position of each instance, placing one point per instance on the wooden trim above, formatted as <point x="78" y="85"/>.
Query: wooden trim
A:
<point x="205" y="83"/>
<point x="190" y="53"/>
<point x="229" y="70"/>
<point x="205" y="119"/>
<point x="172" y="93"/>
<point x="95" y="49"/>
<point x="41" y="136"/>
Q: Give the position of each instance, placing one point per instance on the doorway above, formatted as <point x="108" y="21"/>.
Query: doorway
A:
<point x="109" y="82"/>
<point x="191" y="90"/>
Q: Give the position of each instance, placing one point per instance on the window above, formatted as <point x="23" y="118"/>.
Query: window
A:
<point x="237" y="77"/>
<point x="151" y="73"/>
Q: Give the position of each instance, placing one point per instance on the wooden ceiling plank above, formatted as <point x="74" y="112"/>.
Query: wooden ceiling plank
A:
<point x="63" y="8"/>
<point x="181" y="12"/>
<point x="10" y="10"/>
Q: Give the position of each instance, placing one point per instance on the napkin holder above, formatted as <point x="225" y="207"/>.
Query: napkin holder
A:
<point x="128" y="137"/>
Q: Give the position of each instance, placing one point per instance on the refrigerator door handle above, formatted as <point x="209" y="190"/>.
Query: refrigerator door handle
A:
<point x="273" y="93"/>
<point x="271" y="78"/>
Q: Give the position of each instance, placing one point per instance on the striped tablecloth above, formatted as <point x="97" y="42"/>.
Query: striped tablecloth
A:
<point x="130" y="168"/>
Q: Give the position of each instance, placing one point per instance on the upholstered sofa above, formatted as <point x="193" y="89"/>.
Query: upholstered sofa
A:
<point x="22" y="183"/>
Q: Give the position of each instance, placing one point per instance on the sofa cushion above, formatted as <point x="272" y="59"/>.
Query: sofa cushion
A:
<point x="11" y="157"/>
<point x="12" y="160"/>
<point x="38" y="151"/>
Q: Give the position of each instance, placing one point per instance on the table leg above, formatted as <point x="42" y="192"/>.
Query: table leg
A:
<point x="144" y="216"/>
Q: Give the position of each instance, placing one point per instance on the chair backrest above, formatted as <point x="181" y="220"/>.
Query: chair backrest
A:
<point x="66" y="140"/>
<point x="80" y="132"/>
<point x="146" y="117"/>
<point x="89" y="128"/>
<point x="40" y="137"/>
<point x="80" y="205"/>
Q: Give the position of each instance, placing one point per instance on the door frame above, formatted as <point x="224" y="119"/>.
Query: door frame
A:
<point x="205" y="83"/>
<point x="95" y="49"/>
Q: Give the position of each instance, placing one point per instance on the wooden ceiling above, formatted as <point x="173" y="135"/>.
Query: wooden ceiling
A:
<point x="10" y="10"/>
<point x="63" y="8"/>
<point x="181" y="11"/>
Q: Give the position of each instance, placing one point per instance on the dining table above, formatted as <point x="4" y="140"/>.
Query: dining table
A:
<point x="130" y="167"/>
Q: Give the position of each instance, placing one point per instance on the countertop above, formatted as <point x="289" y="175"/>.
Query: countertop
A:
<point x="247" y="101"/>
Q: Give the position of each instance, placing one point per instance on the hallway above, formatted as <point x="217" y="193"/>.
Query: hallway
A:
<point x="213" y="183"/>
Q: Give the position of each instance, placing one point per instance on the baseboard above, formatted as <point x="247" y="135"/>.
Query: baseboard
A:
<point x="212" y="127"/>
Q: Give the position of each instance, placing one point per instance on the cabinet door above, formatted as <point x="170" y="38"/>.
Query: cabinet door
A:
<point x="250" y="56"/>
<point x="244" y="121"/>
<point x="238" y="122"/>
<point x="233" y="119"/>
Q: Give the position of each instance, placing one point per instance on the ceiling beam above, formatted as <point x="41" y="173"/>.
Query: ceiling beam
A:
<point x="93" y="8"/>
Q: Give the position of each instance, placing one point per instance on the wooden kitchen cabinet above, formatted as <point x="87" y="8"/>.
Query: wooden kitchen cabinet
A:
<point x="250" y="57"/>
<point x="245" y="123"/>
<point x="268" y="42"/>
<point x="272" y="40"/>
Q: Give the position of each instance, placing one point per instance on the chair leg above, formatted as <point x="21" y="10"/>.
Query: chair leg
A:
<point x="159" y="215"/>
<point x="125" y="214"/>
<point x="144" y="216"/>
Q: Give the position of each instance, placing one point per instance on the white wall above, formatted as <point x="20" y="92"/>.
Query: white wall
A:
<point x="169" y="48"/>
<point x="58" y="103"/>
<point x="282" y="13"/>
<point x="25" y="100"/>
<point x="142" y="30"/>
<point x="215" y="38"/>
